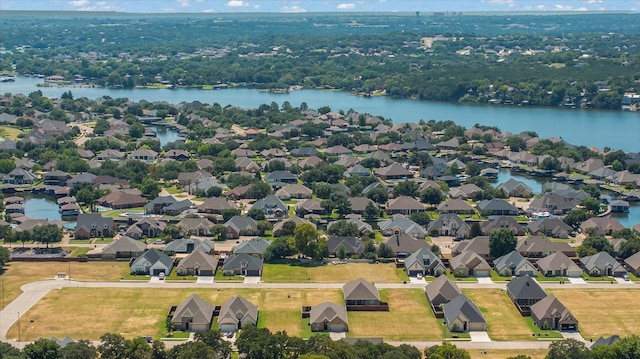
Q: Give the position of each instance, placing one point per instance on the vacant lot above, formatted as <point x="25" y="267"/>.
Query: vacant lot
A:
<point x="602" y="311"/>
<point x="88" y="313"/>
<point x="10" y="133"/>
<point x="504" y="354"/>
<point x="503" y="320"/>
<point x="330" y="273"/>
<point x="19" y="273"/>
<point x="409" y="318"/>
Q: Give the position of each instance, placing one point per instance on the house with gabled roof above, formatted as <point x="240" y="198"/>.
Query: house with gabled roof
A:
<point x="540" y="246"/>
<point x="602" y="264"/>
<point x="465" y="191"/>
<point x="240" y="226"/>
<point x="310" y="206"/>
<point x="402" y="244"/>
<point x="144" y="155"/>
<point x="294" y="191"/>
<point x="554" y="227"/>
<point x="272" y="207"/>
<point x="363" y="227"/>
<point x="91" y="225"/>
<point x="246" y="164"/>
<point x="123" y="247"/>
<point x="255" y="246"/>
<point x="458" y="206"/>
<point x="479" y="245"/>
<point x="633" y="263"/>
<point x="157" y="205"/>
<point x="197" y="263"/>
<point x="461" y="315"/>
<point x="19" y="176"/>
<point x="192" y="315"/>
<point x="243" y="264"/>
<point x="236" y="313"/>
<point x="352" y="245"/>
<point x="514" y="264"/>
<point x="514" y="188"/>
<point x="394" y="171"/>
<point x="469" y="264"/>
<point x="553" y="203"/>
<point x="404" y="205"/>
<point x="524" y="292"/>
<point x="328" y="317"/>
<point x="497" y="207"/>
<point x="558" y="265"/>
<point x="150" y="227"/>
<point x="152" y="262"/>
<point x="602" y="226"/>
<point x="56" y="178"/>
<point x="197" y="226"/>
<point x="188" y="245"/>
<point x="280" y="178"/>
<point x="215" y="205"/>
<point x="440" y="292"/>
<point x="423" y="262"/>
<point x="509" y="223"/>
<point x="449" y="224"/>
<point x="360" y="293"/>
<point x="550" y="313"/>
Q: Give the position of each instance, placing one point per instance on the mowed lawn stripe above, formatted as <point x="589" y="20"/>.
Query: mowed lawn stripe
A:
<point x="504" y="322"/>
<point x="87" y="313"/>
<point x="330" y="273"/>
<point x="409" y="318"/>
<point x="602" y="311"/>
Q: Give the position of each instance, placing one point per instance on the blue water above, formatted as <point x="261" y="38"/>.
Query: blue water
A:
<point x="41" y="208"/>
<point x="165" y="135"/>
<point x="615" y="129"/>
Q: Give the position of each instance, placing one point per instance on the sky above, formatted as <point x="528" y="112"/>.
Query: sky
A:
<point x="300" y="6"/>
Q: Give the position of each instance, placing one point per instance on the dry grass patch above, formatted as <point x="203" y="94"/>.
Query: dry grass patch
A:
<point x="330" y="273"/>
<point x="504" y="354"/>
<point x="19" y="273"/>
<point x="503" y="320"/>
<point x="602" y="311"/>
<point x="88" y="313"/>
<point x="409" y="318"/>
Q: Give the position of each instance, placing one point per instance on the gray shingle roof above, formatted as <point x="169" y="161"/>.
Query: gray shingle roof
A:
<point x="462" y="305"/>
<point x="442" y="290"/>
<point x="525" y="288"/>
<point x="360" y="289"/>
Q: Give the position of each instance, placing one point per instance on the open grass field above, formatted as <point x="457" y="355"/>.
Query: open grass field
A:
<point x="602" y="311"/>
<point x="503" y="320"/>
<point x="9" y="133"/>
<point x="19" y="273"/>
<point x="330" y="273"/>
<point x="90" y="312"/>
<point x="409" y="318"/>
<point x="504" y="354"/>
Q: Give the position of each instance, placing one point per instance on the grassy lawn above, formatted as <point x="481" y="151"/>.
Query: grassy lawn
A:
<point x="506" y="353"/>
<point x="132" y="311"/>
<point x="498" y="278"/>
<point x="79" y="241"/>
<point x="409" y="318"/>
<point x="221" y="277"/>
<point x="19" y="273"/>
<point x="77" y="251"/>
<point x="602" y="311"/>
<point x="551" y="334"/>
<point x="174" y="190"/>
<point x="330" y="273"/>
<point x="542" y="278"/>
<point x="503" y="320"/>
<point x="117" y="212"/>
<point x="460" y="279"/>
<point x="9" y="133"/>
<point x="598" y="280"/>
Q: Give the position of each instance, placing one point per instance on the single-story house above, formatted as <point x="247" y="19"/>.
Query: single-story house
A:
<point x="196" y="226"/>
<point x="359" y="292"/>
<point x="237" y="313"/>
<point x="352" y="245"/>
<point x="633" y="263"/>
<point x="461" y="315"/>
<point x="479" y="245"/>
<point x="458" y="206"/>
<point x="402" y="244"/>
<point x="514" y="264"/>
<point x="558" y="265"/>
<point x="197" y="263"/>
<point x="272" y="207"/>
<point x="215" y="205"/>
<point x="328" y="317"/>
<point x="188" y="245"/>
<point x="192" y="315"/>
<point x="423" y="262"/>
<point x="497" y="207"/>
<point x="243" y="264"/>
<point x="553" y="227"/>
<point x="469" y="264"/>
<point x="449" y="224"/>
<point x="295" y="190"/>
<point x="602" y="264"/>
<point x="402" y="225"/>
<point x="440" y="292"/>
<point x="524" y="292"/>
<point x="123" y="247"/>
<point x="514" y="188"/>
<point x="90" y="225"/>
<point x="550" y="313"/>
<point x="240" y="226"/>
<point x="404" y="205"/>
<point x="255" y="246"/>
<point x="152" y="262"/>
<point x="601" y="226"/>
<point x="540" y="246"/>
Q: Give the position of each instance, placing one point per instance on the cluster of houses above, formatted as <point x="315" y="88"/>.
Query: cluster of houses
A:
<point x="196" y="314"/>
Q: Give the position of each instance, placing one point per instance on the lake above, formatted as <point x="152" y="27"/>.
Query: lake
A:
<point x="41" y="208"/>
<point x="165" y="134"/>
<point x="615" y="129"/>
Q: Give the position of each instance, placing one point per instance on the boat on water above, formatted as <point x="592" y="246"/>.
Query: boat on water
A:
<point x="7" y="79"/>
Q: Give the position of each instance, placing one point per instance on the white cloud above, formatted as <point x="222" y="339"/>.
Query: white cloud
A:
<point x="292" y="8"/>
<point x="595" y="1"/>
<point x="237" y="3"/>
<point x="256" y="6"/>
<point x="208" y="11"/>
<point x="346" y="6"/>
<point x="509" y="3"/>
<point x="184" y="3"/>
<point x="78" y="3"/>
<point x="560" y="7"/>
<point x="582" y="8"/>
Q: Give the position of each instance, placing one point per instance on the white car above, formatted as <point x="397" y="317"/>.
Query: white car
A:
<point x="159" y="241"/>
<point x="161" y="276"/>
<point x="419" y="276"/>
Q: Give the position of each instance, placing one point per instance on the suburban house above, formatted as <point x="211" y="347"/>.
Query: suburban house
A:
<point x="514" y="264"/>
<point x="602" y="264"/>
<point x="440" y="292"/>
<point x="458" y="206"/>
<point x="497" y="207"/>
<point x="539" y="246"/>
<point x="255" y="246"/>
<point x="524" y="292"/>
<point x="178" y="207"/>
<point x="20" y="176"/>
<point x="449" y="224"/>
<point x="120" y="199"/>
<point x="236" y="313"/>
<point x="215" y="205"/>
<point x="92" y="225"/>
<point x="553" y="203"/>
<point x="123" y="247"/>
<point x="328" y="317"/>
<point x="352" y="245"/>
<point x="360" y="294"/>
<point x="461" y="315"/>
<point x="479" y="245"/>
<point x="277" y="227"/>
<point x="243" y="264"/>
<point x="602" y="226"/>
<point x="404" y="205"/>
<point x="197" y="263"/>
<point x="500" y="223"/>
<point x="310" y="206"/>
<point x="272" y="207"/>
<point x="423" y="262"/>
<point x="550" y="313"/>
<point x="280" y="178"/>
<point x="192" y="315"/>
<point x="469" y="264"/>
<point x="394" y="171"/>
<point x="294" y="191"/>
<point x="152" y="262"/>
<point x="358" y="204"/>
<point x="188" y="245"/>
<point x="633" y="263"/>
<point x="559" y="265"/>
<point x="553" y="227"/>
<point x="402" y="225"/>
<point x="56" y="178"/>
<point x="144" y="155"/>
<point x="402" y="244"/>
<point x="240" y="226"/>
<point x="196" y="226"/>
<point x="513" y="188"/>
<point x="246" y="164"/>
<point x="177" y="155"/>
<point x="465" y="191"/>
<point x="150" y="227"/>
<point x="157" y="205"/>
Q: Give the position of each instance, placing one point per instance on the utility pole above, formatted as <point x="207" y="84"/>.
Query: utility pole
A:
<point x="18" y="327"/>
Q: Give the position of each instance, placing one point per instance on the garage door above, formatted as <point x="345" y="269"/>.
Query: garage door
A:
<point x="482" y="273"/>
<point x="337" y="328"/>
<point x="227" y="328"/>
<point x="206" y="273"/>
<point x="157" y="271"/>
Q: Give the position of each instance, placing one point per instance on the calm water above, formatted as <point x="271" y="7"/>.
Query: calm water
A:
<point x="165" y="135"/>
<point x="615" y="129"/>
<point x="41" y="208"/>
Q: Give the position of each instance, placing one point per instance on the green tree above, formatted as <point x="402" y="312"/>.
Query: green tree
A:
<point x="137" y="348"/>
<point x="593" y="245"/>
<point x="8" y="351"/>
<point x="5" y="256"/>
<point x="406" y="188"/>
<point x="81" y="349"/>
<point x="446" y="351"/>
<point x="342" y="252"/>
<point x="575" y="217"/>
<point x="190" y="350"/>
<point x="101" y="126"/>
<point x="47" y="233"/>
<point x="591" y="204"/>
<point x="136" y="130"/>
<point x="371" y="211"/>
<point x="228" y="213"/>
<point x="213" y="339"/>
<point x="568" y="349"/>
<point x="256" y="213"/>
<point x="278" y="249"/>
<point x="158" y="350"/>
<point x="112" y="346"/>
<point x="501" y="242"/>
<point x="421" y="218"/>
<point x="475" y="230"/>
<point x="42" y="349"/>
<point x="378" y="195"/>
<point x="309" y="243"/>
<point x="432" y="196"/>
<point x="343" y="228"/>
<point x="150" y="188"/>
<point x="7" y="165"/>
<point x="384" y="251"/>
<point x="259" y="190"/>
<point x="516" y="143"/>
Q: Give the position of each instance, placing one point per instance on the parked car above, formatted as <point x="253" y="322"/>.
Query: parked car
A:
<point x="419" y="276"/>
<point x="161" y="276"/>
<point x="159" y="241"/>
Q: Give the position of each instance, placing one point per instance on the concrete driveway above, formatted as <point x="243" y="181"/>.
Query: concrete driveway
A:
<point x="577" y="281"/>
<point x="252" y="280"/>
<point x="205" y="280"/>
<point x="414" y="280"/>
<point x="479" y="337"/>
